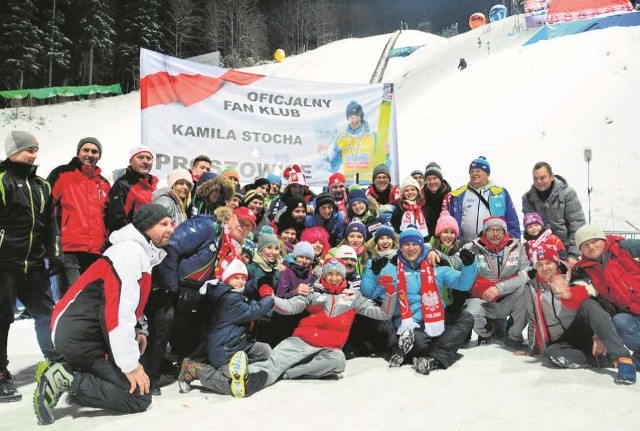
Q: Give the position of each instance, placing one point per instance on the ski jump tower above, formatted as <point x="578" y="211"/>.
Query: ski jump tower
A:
<point x="515" y="12"/>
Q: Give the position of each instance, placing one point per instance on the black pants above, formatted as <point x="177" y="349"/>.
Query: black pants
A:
<point x="369" y="336"/>
<point x="33" y="289"/>
<point x="75" y="263"/>
<point x="160" y="315"/>
<point x="100" y="383"/>
<point x="444" y="347"/>
<point x="576" y="343"/>
<point x="190" y="323"/>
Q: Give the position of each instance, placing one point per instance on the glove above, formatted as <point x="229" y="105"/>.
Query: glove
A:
<point x="265" y="279"/>
<point x="265" y="290"/>
<point x="378" y="263"/>
<point x="56" y="265"/>
<point x="467" y="256"/>
<point x="387" y="282"/>
<point x="531" y="273"/>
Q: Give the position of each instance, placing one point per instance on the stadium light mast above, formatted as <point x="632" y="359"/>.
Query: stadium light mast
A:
<point x="588" y="155"/>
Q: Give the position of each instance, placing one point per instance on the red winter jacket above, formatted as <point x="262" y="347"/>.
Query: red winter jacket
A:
<point x="616" y="278"/>
<point x="129" y="192"/>
<point x="80" y="195"/>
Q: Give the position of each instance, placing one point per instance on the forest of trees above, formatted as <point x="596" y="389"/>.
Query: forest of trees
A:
<point x="82" y="42"/>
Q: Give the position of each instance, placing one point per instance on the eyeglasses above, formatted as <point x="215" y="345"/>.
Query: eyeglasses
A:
<point x="495" y="230"/>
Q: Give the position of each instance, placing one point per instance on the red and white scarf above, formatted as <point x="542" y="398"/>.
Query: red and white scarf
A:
<point x="413" y="215"/>
<point x="430" y="300"/>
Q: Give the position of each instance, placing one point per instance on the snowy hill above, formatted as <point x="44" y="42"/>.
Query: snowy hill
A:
<point x="516" y="105"/>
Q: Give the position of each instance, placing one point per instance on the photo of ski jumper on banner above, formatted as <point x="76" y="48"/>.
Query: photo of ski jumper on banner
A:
<point x="261" y="124"/>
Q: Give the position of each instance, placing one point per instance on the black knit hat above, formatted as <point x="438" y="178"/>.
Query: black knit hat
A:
<point x="433" y="169"/>
<point x="89" y="140"/>
<point x="261" y="182"/>
<point x="324" y="198"/>
<point x="147" y="216"/>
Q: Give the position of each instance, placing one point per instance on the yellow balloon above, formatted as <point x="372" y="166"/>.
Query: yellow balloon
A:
<point x="279" y="55"/>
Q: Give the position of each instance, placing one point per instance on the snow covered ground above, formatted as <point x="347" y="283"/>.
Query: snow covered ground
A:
<point x="487" y="389"/>
<point x="516" y="105"/>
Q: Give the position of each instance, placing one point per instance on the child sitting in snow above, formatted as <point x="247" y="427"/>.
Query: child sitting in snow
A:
<point x="314" y="350"/>
<point x="535" y="235"/>
<point x="229" y="347"/>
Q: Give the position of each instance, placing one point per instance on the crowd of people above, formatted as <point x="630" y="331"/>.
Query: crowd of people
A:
<point x="236" y="287"/>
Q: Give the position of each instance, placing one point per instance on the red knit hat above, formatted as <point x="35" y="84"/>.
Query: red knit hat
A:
<point x="337" y="178"/>
<point x="547" y="252"/>
<point x="246" y="214"/>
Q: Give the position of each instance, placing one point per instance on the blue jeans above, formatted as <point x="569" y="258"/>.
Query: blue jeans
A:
<point x="628" y="327"/>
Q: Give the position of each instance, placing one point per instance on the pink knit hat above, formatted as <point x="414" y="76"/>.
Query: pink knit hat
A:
<point x="445" y="221"/>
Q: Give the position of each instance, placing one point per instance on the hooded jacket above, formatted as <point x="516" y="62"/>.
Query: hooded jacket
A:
<point x="334" y="226"/>
<point x="168" y="199"/>
<point x="616" y="278"/>
<point x="231" y="315"/>
<point x="561" y="212"/>
<point x="80" y="196"/>
<point x="101" y="309"/>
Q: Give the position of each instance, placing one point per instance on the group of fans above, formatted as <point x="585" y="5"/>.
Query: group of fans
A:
<point x="237" y="287"/>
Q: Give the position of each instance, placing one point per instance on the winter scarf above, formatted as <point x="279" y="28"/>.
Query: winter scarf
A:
<point x="413" y="215"/>
<point x="431" y="302"/>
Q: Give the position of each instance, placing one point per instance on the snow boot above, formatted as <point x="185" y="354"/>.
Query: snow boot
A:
<point x="626" y="372"/>
<point x="52" y="381"/>
<point x="484" y="341"/>
<point x="8" y="391"/>
<point x="238" y="371"/>
<point x="254" y="382"/>
<point x="405" y="344"/>
<point x="189" y="371"/>
<point x="425" y="364"/>
<point x="562" y="362"/>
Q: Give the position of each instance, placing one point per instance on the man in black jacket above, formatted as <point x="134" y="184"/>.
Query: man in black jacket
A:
<point x="28" y="234"/>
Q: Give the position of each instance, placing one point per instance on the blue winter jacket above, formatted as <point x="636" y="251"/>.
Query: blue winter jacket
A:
<point x="232" y="313"/>
<point x="445" y="276"/>
<point x="335" y="226"/>
<point x="191" y="253"/>
<point x="500" y="205"/>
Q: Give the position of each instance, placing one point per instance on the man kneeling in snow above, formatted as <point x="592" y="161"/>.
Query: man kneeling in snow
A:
<point x="96" y="325"/>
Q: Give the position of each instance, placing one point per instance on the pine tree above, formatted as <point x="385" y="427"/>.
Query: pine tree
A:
<point x="57" y="45"/>
<point x="96" y="38"/>
<point x="138" y="27"/>
<point x="21" y="44"/>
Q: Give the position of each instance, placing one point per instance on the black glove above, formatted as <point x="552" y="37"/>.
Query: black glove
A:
<point x="56" y="265"/>
<point x="467" y="256"/>
<point x="378" y="263"/>
<point x="265" y="279"/>
<point x="531" y="273"/>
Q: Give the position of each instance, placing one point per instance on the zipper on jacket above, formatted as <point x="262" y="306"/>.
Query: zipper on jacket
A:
<point x="33" y="224"/>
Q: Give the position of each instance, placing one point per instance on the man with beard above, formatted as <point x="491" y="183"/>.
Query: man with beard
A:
<point x="80" y="195"/>
<point x="97" y="327"/>
<point x="133" y="189"/>
<point x="338" y="189"/>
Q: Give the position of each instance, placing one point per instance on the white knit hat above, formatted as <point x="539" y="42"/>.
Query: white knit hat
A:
<point x="410" y="182"/>
<point x="588" y="232"/>
<point x="179" y="174"/>
<point x="141" y="149"/>
<point x="346" y="252"/>
<point x="235" y="267"/>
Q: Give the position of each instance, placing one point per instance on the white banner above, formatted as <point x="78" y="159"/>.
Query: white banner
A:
<point x="262" y="124"/>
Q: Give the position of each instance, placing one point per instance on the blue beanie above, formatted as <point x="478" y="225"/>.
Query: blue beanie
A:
<point x="480" y="163"/>
<point x="358" y="195"/>
<point x="303" y="249"/>
<point x="206" y="176"/>
<point x="273" y="178"/>
<point x="384" y="230"/>
<point x="353" y="108"/>
<point x="356" y="226"/>
<point x="410" y="234"/>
